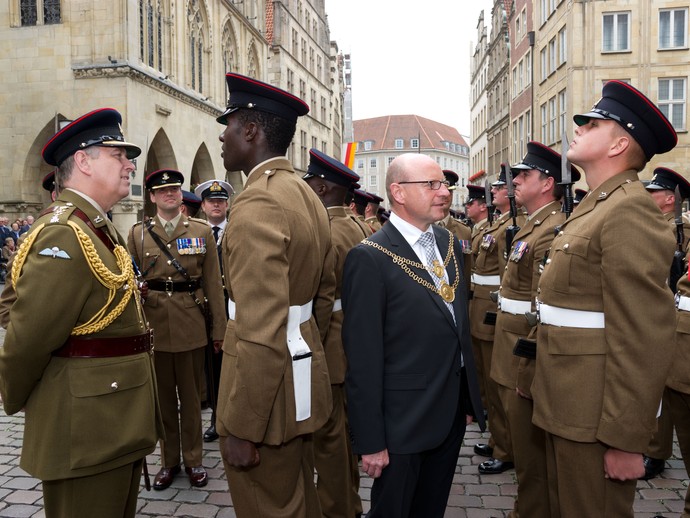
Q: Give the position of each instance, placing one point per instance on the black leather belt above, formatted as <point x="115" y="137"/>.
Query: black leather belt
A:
<point x="173" y="286"/>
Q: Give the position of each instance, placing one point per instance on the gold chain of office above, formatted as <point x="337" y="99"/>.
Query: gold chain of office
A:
<point x="112" y="281"/>
<point x="446" y="292"/>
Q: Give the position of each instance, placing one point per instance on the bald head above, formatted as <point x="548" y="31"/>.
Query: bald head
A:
<point x="401" y="167"/>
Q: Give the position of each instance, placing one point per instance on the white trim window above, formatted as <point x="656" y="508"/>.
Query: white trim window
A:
<point x="616" y="32"/>
<point x="673" y="28"/>
<point x="398" y="143"/>
<point x="673" y="100"/>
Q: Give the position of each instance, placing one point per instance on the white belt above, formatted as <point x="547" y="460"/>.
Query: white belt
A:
<point x="683" y="303"/>
<point x="562" y="317"/>
<point x="337" y="305"/>
<point x="515" y="307"/>
<point x="300" y="354"/>
<point x="486" y="280"/>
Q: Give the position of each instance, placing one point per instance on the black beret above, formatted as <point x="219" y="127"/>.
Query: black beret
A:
<point x="323" y="166"/>
<point x="637" y="114"/>
<point x="667" y="179"/>
<point x="164" y="178"/>
<point x="249" y="93"/>
<point x="102" y="127"/>
<point x="544" y="159"/>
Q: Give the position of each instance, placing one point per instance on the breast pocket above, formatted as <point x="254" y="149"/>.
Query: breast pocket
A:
<point x="568" y="256"/>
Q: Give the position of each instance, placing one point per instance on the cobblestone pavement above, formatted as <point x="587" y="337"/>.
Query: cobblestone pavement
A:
<point x="472" y="495"/>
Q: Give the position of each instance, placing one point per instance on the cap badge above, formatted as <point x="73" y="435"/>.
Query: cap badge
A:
<point x="165" y="177"/>
<point x="215" y="187"/>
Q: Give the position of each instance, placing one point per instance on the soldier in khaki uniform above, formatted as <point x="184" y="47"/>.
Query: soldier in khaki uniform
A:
<point x="662" y="189"/>
<point x="537" y="191"/>
<point x="459" y="230"/>
<point x="371" y="211"/>
<point x="360" y="201"/>
<point x="488" y="268"/>
<point x="184" y="289"/>
<point x="274" y="388"/>
<point x="338" y="480"/>
<point x="677" y="392"/>
<point x="84" y="375"/>
<point x="601" y="368"/>
<point x="348" y="203"/>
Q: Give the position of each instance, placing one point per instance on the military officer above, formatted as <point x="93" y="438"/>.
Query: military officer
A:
<point x="600" y="369"/>
<point x="662" y="189"/>
<point x="274" y="388"/>
<point x="677" y="392"/>
<point x="178" y="260"/>
<point x="84" y="376"/>
<point x="336" y="465"/>
<point x="537" y="190"/>
<point x="191" y="204"/>
<point x="459" y="230"/>
<point x="489" y="266"/>
<point x="349" y="205"/>
<point x="215" y="196"/>
<point x="371" y="211"/>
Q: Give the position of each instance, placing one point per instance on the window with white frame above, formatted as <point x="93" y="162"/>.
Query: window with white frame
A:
<point x="544" y="122"/>
<point x="360" y="163"/>
<point x="414" y="143"/>
<point x="673" y="28"/>
<point x="544" y="61"/>
<point x="562" y="109"/>
<point x="544" y="10"/>
<point x="552" y="55"/>
<point x="528" y="68"/>
<point x="562" y="46"/>
<point x="390" y="159"/>
<point x="373" y="181"/>
<point x="373" y="163"/>
<point x="521" y="66"/>
<point x="516" y="91"/>
<point x="367" y="145"/>
<point x="398" y="143"/>
<point x="553" y="120"/>
<point x="673" y="100"/>
<point x="616" y="32"/>
<point x="515" y="141"/>
<point x="528" y="125"/>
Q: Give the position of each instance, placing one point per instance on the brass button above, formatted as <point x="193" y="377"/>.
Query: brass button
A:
<point x="565" y="246"/>
<point x="114" y="386"/>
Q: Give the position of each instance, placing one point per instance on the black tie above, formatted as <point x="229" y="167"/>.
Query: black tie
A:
<point x="216" y="230"/>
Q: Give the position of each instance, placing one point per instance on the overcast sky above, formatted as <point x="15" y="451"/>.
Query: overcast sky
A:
<point x="407" y="60"/>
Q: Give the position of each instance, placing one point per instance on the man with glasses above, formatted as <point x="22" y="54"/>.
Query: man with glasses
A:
<point x="411" y="382"/>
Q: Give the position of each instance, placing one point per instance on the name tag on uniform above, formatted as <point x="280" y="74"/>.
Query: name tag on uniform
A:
<point x="519" y="250"/>
<point x="191" y="245"/>
<point x="487" y="241"/>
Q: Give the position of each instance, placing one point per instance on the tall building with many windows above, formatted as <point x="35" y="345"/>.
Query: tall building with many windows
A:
<point x="381" y="139"/>
<point x="162" y="64"/>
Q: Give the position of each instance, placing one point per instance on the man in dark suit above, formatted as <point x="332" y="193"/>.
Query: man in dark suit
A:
<point x="411" y="380"/>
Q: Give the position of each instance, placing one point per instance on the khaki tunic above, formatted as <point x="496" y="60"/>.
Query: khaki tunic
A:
<point x="373" y="222"/>
<point x="464" y="235"/>
<point x="274" y="258"/>
<point x="76" y="423"/>
<point x="612" y="256"/>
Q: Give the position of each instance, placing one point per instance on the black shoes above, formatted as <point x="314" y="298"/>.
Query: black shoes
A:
<point x="484" y="450"/>
<point x="652" y="467"/>
<point x="495" y="466"/>
<point x="210" y="434"/>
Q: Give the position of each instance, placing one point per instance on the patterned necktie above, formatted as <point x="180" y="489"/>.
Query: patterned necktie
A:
<point x="428" y="244"/>
<point x="169" y="228"/>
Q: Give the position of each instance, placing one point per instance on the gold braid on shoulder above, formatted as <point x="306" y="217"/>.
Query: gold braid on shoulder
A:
<point x="110" y="280"/>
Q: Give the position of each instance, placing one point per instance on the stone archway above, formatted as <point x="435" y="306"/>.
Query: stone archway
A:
<point x="159" y="155"/>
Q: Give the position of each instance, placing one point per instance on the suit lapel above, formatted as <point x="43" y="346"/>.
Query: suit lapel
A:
<point x="442" y="242"/>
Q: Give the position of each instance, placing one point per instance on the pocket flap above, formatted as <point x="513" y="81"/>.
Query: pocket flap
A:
<point x="97" y="380"/>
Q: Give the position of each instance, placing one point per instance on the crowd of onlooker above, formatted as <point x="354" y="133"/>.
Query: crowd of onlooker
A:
<point x="9" y="235"/>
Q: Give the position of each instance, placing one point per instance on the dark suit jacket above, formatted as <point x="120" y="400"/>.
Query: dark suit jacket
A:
<point x="404" y="380"/>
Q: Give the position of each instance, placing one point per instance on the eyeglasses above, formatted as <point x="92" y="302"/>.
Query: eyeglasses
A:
<point x="434" y="185"/>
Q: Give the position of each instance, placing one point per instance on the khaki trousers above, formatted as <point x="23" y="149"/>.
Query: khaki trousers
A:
<point x="498" y="421"/>
<point x="180" y="375"/>
<point x="679" y="406"/>
<point x="281" y="486"/>
<point x="112" y="494"/>
<point x="335" y="463"/>
<point x="577" y="487"/>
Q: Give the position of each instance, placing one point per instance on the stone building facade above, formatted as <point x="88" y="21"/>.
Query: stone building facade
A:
<point x="162" y="64"/>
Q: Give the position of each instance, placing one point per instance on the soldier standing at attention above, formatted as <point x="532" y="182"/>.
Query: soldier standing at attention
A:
<point x="459" y="230"/>
<point x="537" y="190"/>
<point x="84" y="377"/>
<point x="177" y="258"/>
<point x="336" y="465"/>
<point x="371" y="211"/>
<point x="215" y="195"/>
<point x="662" y="188"/>
<point x="601" y="368"/>
<point x="348" y="203"/>
<point x="274" y="388"/>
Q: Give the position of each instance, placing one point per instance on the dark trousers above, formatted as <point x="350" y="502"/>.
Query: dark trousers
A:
<point x="112" y="494"/>
<point x="417" y="485"/>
